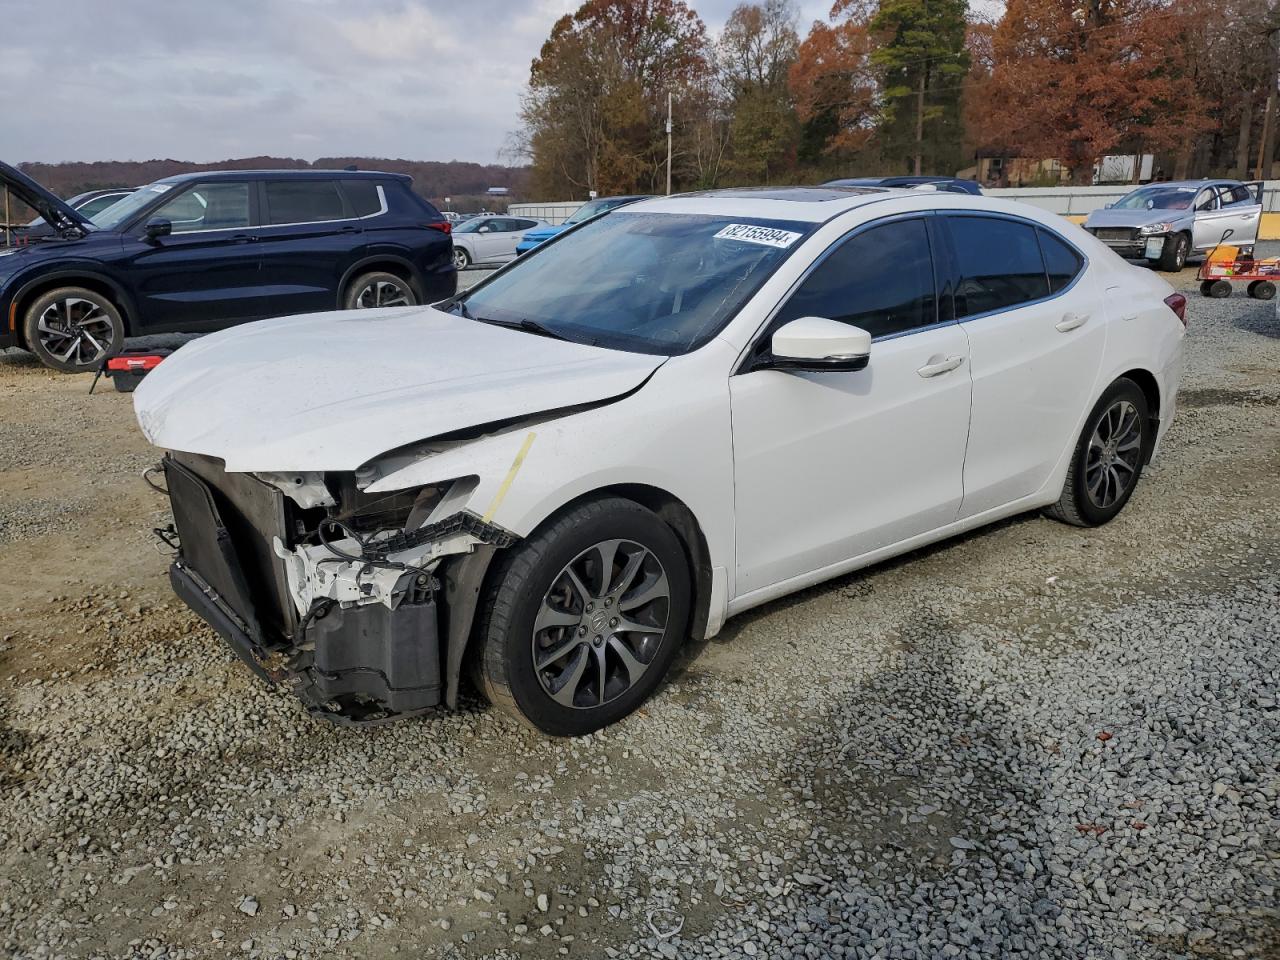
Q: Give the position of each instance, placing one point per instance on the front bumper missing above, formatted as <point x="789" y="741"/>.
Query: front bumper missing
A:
<point x="348" y="662"/>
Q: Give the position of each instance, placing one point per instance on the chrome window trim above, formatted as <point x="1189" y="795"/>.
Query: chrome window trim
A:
<point x="382" y="199"/>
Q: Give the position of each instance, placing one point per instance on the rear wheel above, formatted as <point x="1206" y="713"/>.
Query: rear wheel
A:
<point x="1262" y="290"/>
<point x="73" y="329"/>
<point x="1108" y="458"/>
<point x="582" y="619"/>
<point x="1174" y="255"/>
<point x="379" y="289"/>
<point x="461" y="259"/>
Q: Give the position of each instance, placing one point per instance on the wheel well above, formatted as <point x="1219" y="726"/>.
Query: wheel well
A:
<point x="1146" y="382"/>
<point x="27" y="297"/>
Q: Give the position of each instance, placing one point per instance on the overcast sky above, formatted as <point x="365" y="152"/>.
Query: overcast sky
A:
<point x="207" y="80"/>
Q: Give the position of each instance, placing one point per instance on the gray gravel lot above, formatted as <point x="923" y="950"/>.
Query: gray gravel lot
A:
<point x="1033" y="741"/>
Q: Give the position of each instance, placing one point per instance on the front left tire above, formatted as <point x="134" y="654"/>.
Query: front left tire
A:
<point x="1174" y="255"/>
<point x="73" y="329"/>
<point x="582" y="619"/>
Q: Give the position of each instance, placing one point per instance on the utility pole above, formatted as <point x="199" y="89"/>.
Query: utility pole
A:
<point x="668" y="143"/>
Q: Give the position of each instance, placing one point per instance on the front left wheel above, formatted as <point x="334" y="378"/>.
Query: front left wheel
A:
<point x="73" y="329"/>
<point x="583" y="618"/>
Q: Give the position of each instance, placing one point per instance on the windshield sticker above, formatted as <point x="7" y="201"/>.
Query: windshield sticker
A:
<point x="765" y="236"/>
<point x="159" y="187"/>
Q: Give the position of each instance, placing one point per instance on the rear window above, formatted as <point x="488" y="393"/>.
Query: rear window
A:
<point x="362" y="196"/>
<point x="303" y="201"/>
<point x="999" y="264"/>
<point x="1061" y="262"/>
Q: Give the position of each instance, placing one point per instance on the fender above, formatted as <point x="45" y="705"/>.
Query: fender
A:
<point x="41" y="273"/>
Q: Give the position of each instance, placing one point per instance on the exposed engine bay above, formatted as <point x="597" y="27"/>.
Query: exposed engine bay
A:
<point x="327" y="589"/>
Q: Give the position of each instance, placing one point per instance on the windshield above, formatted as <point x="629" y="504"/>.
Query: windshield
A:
<point x="588" y="210"/>
<point x="472" y="225"/>
<point x="1157" y="198"/>
<point x="123" y="209"/>
<point x="660" y="283"/>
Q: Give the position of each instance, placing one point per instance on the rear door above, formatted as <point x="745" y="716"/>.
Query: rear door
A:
<point x="310" y="235"/>
<point x="205" y="273"/>
<point x="1036" y="336"/>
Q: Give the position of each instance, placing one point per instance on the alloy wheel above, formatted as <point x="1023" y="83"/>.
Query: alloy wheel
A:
<point x="75" y="330"/>
<point x="1115" y="450"/>
<point x="460" y="258"/>
<point x="600" y="624"/>
<point x="383" y="293"/>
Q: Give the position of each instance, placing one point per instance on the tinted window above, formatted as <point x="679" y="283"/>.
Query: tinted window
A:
<point x="1207" y="200"/>
<point x="303" y="201"/>
<point x="998" y="262"/>
<point x="208" y="206"/>
<point x="525" y="224"/>
<point x="880" y="280"/>
<point x="1061" y="262"/>
<point x="95" y="206"/>
<point x="363" y="197"/>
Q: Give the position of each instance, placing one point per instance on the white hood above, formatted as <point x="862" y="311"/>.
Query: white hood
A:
<point x="330" y="391"/>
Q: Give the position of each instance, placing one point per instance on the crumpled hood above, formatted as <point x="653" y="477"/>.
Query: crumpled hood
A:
<point x="331" y="391"/>
<point x="1131" y="218"/>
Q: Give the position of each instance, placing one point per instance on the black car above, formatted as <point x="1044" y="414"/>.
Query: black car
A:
<point x="945" y="184"/>
<point x="203" y="251"/>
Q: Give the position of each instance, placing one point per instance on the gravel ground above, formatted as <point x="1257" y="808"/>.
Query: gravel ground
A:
<point x="1033" y="741"/>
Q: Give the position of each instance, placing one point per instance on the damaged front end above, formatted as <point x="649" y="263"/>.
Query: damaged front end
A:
<point x="334" y="592"/>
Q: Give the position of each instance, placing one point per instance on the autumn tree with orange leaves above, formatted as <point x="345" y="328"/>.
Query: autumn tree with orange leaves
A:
<point x="1076" y="80"/>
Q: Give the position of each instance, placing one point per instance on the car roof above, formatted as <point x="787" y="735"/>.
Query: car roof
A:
<point x="1215" y="182"/>
<point x="806" y="204"/>
<point x="205" y="175"/>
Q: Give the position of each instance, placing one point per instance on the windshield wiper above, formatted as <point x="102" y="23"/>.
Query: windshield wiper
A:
<point x="527" y="325"/>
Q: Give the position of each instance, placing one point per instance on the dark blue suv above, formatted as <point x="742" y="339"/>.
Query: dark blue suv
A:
<point x="203" y="251"/>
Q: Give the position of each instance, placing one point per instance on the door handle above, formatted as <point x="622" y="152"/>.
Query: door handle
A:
<point x="939" y="365"/>
<point x="243" y="238"/>
<point x="1070" y="321"/>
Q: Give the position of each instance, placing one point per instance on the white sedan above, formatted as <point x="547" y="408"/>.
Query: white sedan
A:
<point x="488" y="240"/>
<point x="661" y="418"/>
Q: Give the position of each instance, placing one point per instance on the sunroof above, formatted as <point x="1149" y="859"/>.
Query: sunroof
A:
<point x="798" y="194"/>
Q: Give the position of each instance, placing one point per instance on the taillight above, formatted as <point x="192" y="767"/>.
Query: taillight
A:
<point x="444" y="226"/>
<point x="134" y="363"/>
<point x="1178" y="304"/>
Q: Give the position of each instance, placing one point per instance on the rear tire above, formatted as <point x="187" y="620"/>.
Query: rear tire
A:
<point x="1108" y="459"/>
<point x="554" y="645"/>
<point x="73" y="329"/>
<point x="379" y="289"/>
<point x="1262" y="290"/>
<point x="461" y="259"/>
<point x="1174" y="255"/>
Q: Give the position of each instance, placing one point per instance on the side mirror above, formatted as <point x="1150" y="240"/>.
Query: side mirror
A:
<point x="816" y="343"/>
<point x="485" y="229"/>
<point x="158" y="227"/>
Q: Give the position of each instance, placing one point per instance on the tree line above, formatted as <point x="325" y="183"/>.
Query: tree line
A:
<point x="897" y="86"/>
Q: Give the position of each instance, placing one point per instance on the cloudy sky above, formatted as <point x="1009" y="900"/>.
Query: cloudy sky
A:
<point x="207" y="80"/>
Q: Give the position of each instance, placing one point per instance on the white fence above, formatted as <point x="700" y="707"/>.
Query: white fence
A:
<point x="1067" y="201"/>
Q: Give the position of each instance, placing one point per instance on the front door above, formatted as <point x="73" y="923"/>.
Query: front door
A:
<point x="206" y="272"/>
<point x="835" y="465"/>
<point x="1225" y="216"/>
<point x="1036" y="336"/>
